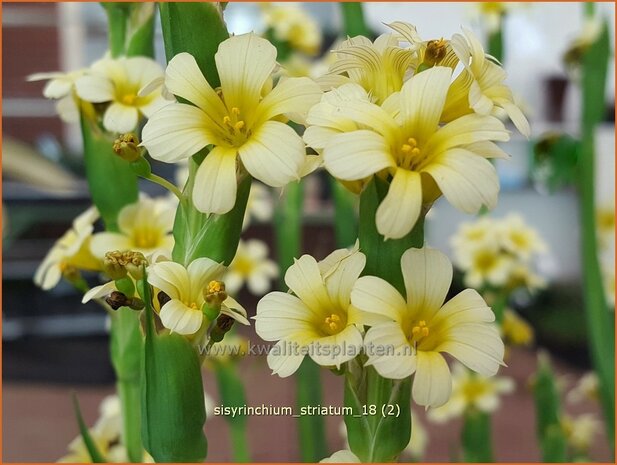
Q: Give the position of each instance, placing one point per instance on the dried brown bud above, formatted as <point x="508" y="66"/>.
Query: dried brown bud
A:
<point x="215" y="293"/>
<point x="127" y="147"/>
<point x="117" y="299"/>
<point x="435" y="51"/>
<point x="114" y="265"/>
<point x="223" y="325"/>
<point x="163" y="298"/>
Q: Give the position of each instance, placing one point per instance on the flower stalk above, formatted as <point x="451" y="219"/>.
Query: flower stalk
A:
<point x="600" y="321"/>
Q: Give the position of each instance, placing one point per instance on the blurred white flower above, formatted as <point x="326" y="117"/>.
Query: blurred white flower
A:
<point x="144" y="226"/>
<point x="120" y="82"/>
<point x="70" y="252"/>
<point x="472" y="391"/>
<point x="341" y="456"/>
<point x="61" y="88"/>
<point x="580" y="431"/>
<point x="293" y="25"/>
<point x="587" y="388"/>
<point x="251" y="266"/>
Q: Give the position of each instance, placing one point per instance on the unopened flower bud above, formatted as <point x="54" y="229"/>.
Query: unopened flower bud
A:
<point x="222" y="327"/>
<point x="215" y="293"/>
<point x="117" y="299"/>
<point x="162" y="298"/>
<point x="114" y="265"/>
<point x="134" y="263"/>
<point x="127" y="147"/>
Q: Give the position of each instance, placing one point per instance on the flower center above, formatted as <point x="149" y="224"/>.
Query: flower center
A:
<point x="146" y="238"/>
<point x="409" y="155"/>
<point x="419" y="331"/>
<point x="129" y="99"/>
<point x="243" y="266"/>
<point x="334" y="323"/>
<point x="235" y="126"/>
<point x="485" y="260"/>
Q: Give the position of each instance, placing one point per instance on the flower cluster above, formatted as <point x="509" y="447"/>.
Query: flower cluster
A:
<point x="331" y="304"/>
<point x="402" y="112"/>
<point x="498" y="253"/>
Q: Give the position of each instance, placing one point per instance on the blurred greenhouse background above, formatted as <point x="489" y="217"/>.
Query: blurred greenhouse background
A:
<point x="52" y="344"/>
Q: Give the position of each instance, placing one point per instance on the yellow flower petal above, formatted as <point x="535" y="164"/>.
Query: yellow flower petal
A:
<point x="466" y="180"/>
<point x="339" y="348"/>
<point x="120" y="118"/>
<point x="389" y="351"/>
<point x="171" y="278"/>
<point x="399" y="210"/>
<point x="215" y="182"/>
<point x="179" y="318"/>
<point x="357" y="155"/>
<point x="374" y="295"/>
<point x="304" y="279"/>
<point x="244" y="63"/>
<point x="427" y="274"/>
<point x="282" y="361"/>
<point x="94" y="89"/>
<point x="274" y="154"/>
<point x="176" y="132"/>
<point x="432" y="382"/>
<point x="281" y="315"/>
<point x="104" y="242"/>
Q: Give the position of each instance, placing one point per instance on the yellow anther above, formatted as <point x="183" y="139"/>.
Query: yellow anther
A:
<point x="239" y="125"/>
<point x="226" y="120"/>
<point x="415" y="330"/>
<point x="424" y="331"/>
<point x="215" y="286"/>
<point x="235" y="110"/>
<point x="406" y="148"/>
<point x="411" y="141"/>
<point x="333" y="326"/>
<point x="193" y="306"/>
<point x="420" y="330"/>
<point x="415" y="151"/>
<point x="129" y="99"/>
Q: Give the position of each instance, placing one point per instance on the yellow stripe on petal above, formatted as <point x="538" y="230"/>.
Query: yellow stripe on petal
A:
<point x="275" y="154"/>
<point x="184" y="79"/>
<point x="304" y="279"/>
<point x="244" y="63"/>
<point x="374" y="295"/>
<point x="176" y="132"/>
<point x="427" y="274"/>
<point x="400" y="209"/>
<point x="215" y="182"/>
<point x="422" y="101"/>
<point x="466" y="180"/>
<point x="357" y="155"/>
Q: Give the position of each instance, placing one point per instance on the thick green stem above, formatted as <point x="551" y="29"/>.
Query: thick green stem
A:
<point x="374" y="436"/>
<point x="239" y="443"/>
<point x="476" y="437"/>
<point x="118" y="16"/>
<point x="499" y="306"/>
<point x="495" y="42"/>
<point x="126" y="355"/>
<point x="345" y="221"/>
<point x="313" y="446"/>
<point x="353" y="19"/>
<point x="600" y="321"/>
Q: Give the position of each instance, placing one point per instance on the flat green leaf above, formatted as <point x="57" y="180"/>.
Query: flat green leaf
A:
<point x="104" y="169"/>
<point x="172" y="401"/>
<point x="93" y="451"/>
<point x="197" y="28"/>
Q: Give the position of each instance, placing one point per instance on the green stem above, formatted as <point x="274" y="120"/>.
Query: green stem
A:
<point x="313" y="446"/>
<point x="499" y="306"/>
<point x="130" y="400"/>
<point x="232" y="394"/>
<point x="166" y="184"/>
<point x="476" y="437"/>
<point x="600" y="321"/>
<point x="345" y="221"/>
<point x="353" y="20"/>
<point x="495" y="42"/>
<point x="118" y="16"/>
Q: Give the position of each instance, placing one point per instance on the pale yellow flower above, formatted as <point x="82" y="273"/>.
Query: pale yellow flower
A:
<point x="471" y="391"/>
<point x="580" y="431"/>
<point x="251" y="266"/>
<point x="185" y="287"/>
<point x="419" y="439"/>
<point x="241" y="121"/>
<point x="71" y="251"/>
<point x="422" y="327"/>
<point x="78" y="452"/>
<point x="473" y="234"/>
<point x="319" y="319"/>
<point x="587" y="388"/>
<point x="492" y="13"/>
<point x="515" y="330"/>
<point x="605" y="220"/>
<point x="109" y="424"/>
<point x="293" y="25"/>
<point x="480" y="87"/>
<point x="403" y="139"/>
<point x="119" y="82"/>
<point x="486" y="264"/>
<point x="61" y="88"/>
<point x="518" y="238"/>
<point x="380" y="67"/>
<point x="144" y="226"/>
<point x="342" y="456"/>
